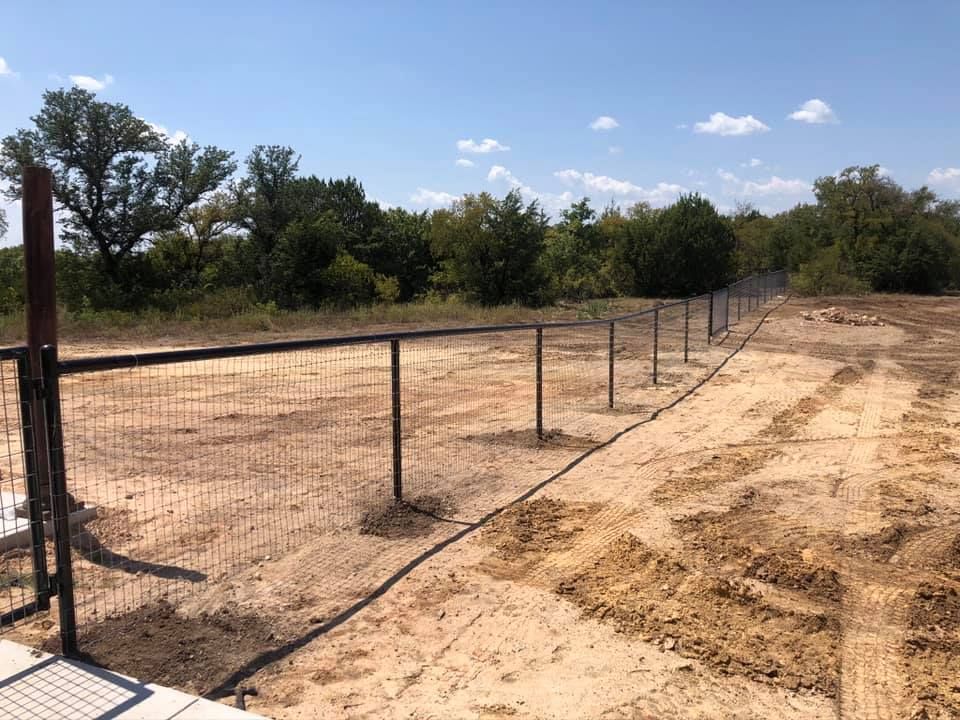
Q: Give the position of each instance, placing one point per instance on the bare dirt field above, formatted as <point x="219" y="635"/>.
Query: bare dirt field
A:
<point x="784" y="542"/>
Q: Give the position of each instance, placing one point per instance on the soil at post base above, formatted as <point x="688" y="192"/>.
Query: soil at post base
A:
<point x="156" y="644"/>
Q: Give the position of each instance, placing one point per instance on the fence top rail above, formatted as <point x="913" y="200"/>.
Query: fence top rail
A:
<point x="12" y="353"/>
<point x="132" y="360"/>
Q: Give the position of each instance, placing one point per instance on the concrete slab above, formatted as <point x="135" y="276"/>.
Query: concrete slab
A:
<point x="15" y="527"/>
<point x="35" y="685"/>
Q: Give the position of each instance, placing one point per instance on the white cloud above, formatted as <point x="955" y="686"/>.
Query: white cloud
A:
<point x="604" y="122"/>
<point x="463" y="162"/>
<point x="774" y="186"/>
<point x="682" y="126"/>
<point x="814" y="111"/>
<point x="487" y="145"/>
<point x="432" y="198"/>
<point x="85" y="82"/>
<point x="754" y="163"/>
<point x="723" y="124"/>
<point x="173" y="139"/>
<point x="384" y="205"/>
<point x="945" y="177"/>
<point x="662" y="193"/>
<point x="552" y="203"/>
<point x="615" y="150"/>
<point x="6" y="69"/>
<point x="884" y="171"/>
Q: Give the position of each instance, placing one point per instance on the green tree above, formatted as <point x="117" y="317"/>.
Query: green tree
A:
<point x="574" y="254"/>
<point x="693" y="249"/>
<point x="399" y="247"/>
<point x="491" y="248"/>
<point x="118" y="180"/>
<point x="300" y="260"/>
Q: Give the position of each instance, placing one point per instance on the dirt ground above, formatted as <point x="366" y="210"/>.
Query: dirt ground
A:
<point x="784" y="542"/>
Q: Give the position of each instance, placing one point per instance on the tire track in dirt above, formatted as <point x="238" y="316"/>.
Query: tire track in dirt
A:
<point x="871" y="679"/>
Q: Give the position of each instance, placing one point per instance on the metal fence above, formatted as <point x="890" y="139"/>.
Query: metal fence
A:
<point x="170" y="470"/>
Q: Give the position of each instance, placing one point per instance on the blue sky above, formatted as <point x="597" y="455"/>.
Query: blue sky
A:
<point x="388" y="92"/>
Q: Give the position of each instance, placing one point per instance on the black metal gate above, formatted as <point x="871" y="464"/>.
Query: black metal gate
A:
<point x="25" y="582"/>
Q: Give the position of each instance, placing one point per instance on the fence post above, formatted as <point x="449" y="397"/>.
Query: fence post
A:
<point x="41" y="300"/>
<point x="686" y="331"/>
<point x="656" y="342"/>
<point x="710" y="319"/>
<point x="395" y="397"/>
<point x="739" y="297"/>
<point x="540" y="383"/>
<point x="41" y="580"/>
<point x="610" y="373"/>
<point x="59" y="499"/>
<point x="726" y="310"/>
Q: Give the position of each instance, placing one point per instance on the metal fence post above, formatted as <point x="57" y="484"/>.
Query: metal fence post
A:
<point x="686" y="331"/>
<point x="59" y="498"/>
<point x="656" y="342"/>
<point x="726" y="310"/>
<point x="610" y="373"/>
<point x="540" y="383"/>
<point x="739" y="297"/>
<point x="395" y="397"/>
<point x="41" y="580"/>
<point x="710" y="319"/>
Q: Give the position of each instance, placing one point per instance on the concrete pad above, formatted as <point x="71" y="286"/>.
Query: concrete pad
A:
<point x="15" y="526"/>
<point x="35" y="685"/>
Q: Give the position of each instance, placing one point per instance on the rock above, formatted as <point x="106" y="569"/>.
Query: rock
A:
<point x="669" y="643"/>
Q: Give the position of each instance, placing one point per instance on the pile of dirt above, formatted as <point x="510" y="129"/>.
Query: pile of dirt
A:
<point x="721" y="622"/>
<point x="932" y="653"/>
<point x="716" y="470"/>
<point x="879" y="546"/>
<point x="790" y="570"/>
<point x="785" y="424"/>
<point x="529" y="439"/>
<point x="841" y="316"/>
<point x="537" y="526"/>
<point x="193" y="653"/>
<point x="405" y="519"/>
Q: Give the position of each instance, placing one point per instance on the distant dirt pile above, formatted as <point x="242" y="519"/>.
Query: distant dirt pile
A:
<point x="841" y="316"/>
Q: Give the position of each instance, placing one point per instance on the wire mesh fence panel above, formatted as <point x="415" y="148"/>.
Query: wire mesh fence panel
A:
<point x="575" y="377"/>
<point x="198" y="468"/>
<point x="633" y="363"/>
<point x="465" y="401"/>
<point x="22" y="551"/>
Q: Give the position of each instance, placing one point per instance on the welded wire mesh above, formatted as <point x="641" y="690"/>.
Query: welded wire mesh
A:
<point x="198" y="468"/>
<point x="195" y="468"/>
<point x="19" y="528"/>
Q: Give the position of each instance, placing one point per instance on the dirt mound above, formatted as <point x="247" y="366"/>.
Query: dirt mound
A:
<point x="529" y="439"/>
<point x="841" y="316"/>
<point x="790" y="570"/>
<point x="404" y="519"/>
<point x="879" y="546"/>
<point x="932" y="652"/>
<point x="716" y="470"/>
<point x="537" y="526"/>
<point x="194" y="653"/>
<point x="721" y="622"/>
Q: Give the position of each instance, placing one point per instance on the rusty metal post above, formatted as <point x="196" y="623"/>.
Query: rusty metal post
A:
<point x="539" y="363"/>
<point x="656" y="342"/>
<point x="41" y="302"/>
<point x="396" y="419"/>
<point x="610" y="372"/>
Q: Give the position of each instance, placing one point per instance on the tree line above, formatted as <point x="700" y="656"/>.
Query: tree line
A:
<point x="146" y="222"/>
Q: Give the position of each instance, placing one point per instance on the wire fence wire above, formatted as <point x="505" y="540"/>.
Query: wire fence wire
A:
<point x="183" y="468"/>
